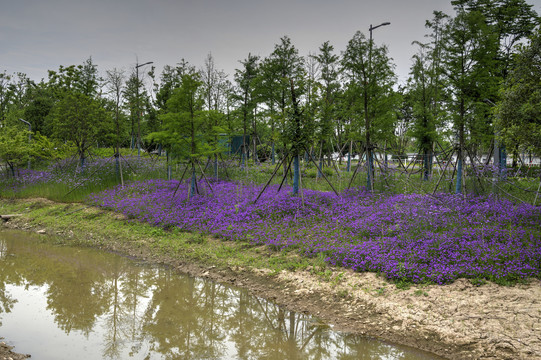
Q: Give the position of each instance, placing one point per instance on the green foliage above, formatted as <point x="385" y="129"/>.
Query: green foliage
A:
<point x="283" y="77"/>
<point x="519" y="112"/>
<point x="424" y="93"/>
<point x="185" y="129"/>
<point x="369" y="94"/>
<point x="480" y="42"/>
<point x="81" y="79"/>
<point x="50" y="149"/>
<point x="15" y="148"/>
<point x="511" y="21"/>
<point x="246" y="95"/>
<point x="330" y="86"/>
<point x="80" y="119"/>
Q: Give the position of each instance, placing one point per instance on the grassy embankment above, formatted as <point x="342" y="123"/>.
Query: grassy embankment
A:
<point x="79" y="224"/>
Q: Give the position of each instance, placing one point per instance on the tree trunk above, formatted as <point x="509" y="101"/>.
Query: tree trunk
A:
<point x="192" y="182"/>
<point x="349" y="155"/>
<point x="216" y="166"/>
<point x="460" y="153"/>
<point x="296" y="174"/>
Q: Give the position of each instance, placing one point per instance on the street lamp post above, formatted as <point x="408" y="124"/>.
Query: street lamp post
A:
<point x="137" y="66"/>
<point x="29" y="136"/>
<point x="369" y="154"/>
<point x="499" y="155"/>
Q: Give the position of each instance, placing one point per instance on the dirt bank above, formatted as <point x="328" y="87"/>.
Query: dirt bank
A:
<point x="457" y="321"/>
<point x="6" y="352"/>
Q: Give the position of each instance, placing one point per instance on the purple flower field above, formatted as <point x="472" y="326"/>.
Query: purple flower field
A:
<point x="68" y="173"/>
<point x="415" y="238"/>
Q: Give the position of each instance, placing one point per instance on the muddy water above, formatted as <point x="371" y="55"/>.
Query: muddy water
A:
<point x="59" y="302"/>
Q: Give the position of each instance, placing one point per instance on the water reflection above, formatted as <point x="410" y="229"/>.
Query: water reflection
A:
<point x="110" y="307"/>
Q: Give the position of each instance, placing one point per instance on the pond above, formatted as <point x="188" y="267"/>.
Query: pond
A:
<point x="63" y="302"/>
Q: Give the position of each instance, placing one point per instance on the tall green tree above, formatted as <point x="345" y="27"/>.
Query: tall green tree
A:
<point x="15" y="147"/>
<point x="80" y="119"/>
<point x="424" y="129"/>
<point x="511" y="22"/>
<point x="518" y="113"/>
<point x="214" y="89"/>
<point x="5" y="94"/>
<point x="14" y="97"/>
<point x="78" y="114"/>
<point x="267" y="92"/>
<point x="289" y="89"/>
<point x="426" y="91"/>
<point x="370" y="78"/>
<point x="245" y="79"/>
<point x="115" y="80"/>
<point x="170" y="79"/>
<point x="468" y="58"/>
<point x="83" y="79"/>
<point x="139" y="105"/>
<point x="330" y="87"/>
<point x="185" y="124"/>
<point x="40" y="101"/>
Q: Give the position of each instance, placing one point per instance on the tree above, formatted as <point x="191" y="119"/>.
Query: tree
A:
<point x="209" y="79"/>
<point x="330" y="86"/>
<point x="518" y="113"/>
<point x="138" y="104"/>
<point x="214" y="90"/>
<point x="426" y="91"/>
<point x="82" y="79"/>
<point x="288" y="87"/>
<point x="298" y="132"/>
<point x="468" y="54"/>
<point x="115" y="86"/>
<point x="15" y="149"/>
<point x="245" y="79"/>
<point x="78" y="114"/>
<point x="267" y="94"/>
<point x="4" y="94"/>
<point x="370" y="77"/>
<point x="40" y="101"/>
<point x="424" y="122"/>
<point x="185" y="127"/>
<point x="510" y="22"/>
<point x="312" y="90"/>
<point x="80" y="119"/>
<point x="422" y="94"/>
<point x="131" y="105"/>
<point x="14" y="97"/>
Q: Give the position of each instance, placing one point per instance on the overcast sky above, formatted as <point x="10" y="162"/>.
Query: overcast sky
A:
<point x="41" y="35"/>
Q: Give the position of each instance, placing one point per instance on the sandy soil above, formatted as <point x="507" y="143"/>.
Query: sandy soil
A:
<point x="6" y="352"/>
<point x="456" y="321"/>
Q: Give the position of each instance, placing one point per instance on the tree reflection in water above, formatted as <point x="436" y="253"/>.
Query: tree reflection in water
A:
<point x="6" y="301"/>
<point x="147" y="312"/>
